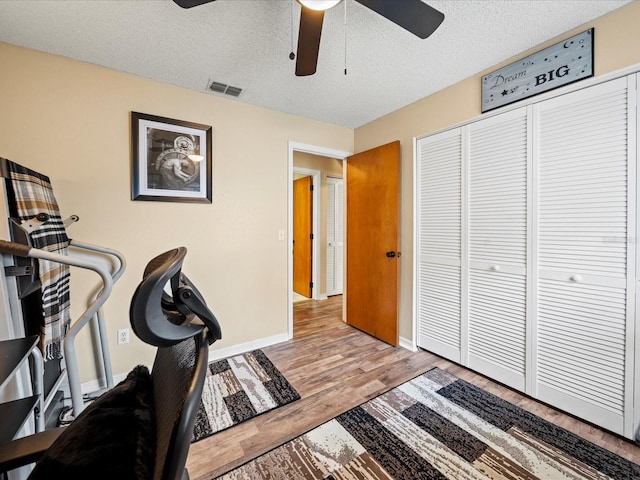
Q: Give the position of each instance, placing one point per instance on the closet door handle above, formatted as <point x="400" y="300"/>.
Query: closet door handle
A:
<point x="575" y="278"/>
<point x="391" y="254"/>
<point x="495" y="268"/>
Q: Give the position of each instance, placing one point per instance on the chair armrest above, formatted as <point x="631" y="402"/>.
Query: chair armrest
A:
<point x="26" y="450"/>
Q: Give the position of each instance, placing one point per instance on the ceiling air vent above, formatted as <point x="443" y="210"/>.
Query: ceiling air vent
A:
<point x="234" y="91"/>
<point x="224" y="88"/>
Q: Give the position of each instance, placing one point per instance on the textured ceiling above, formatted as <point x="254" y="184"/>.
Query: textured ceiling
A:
<point x="246" y="43"/>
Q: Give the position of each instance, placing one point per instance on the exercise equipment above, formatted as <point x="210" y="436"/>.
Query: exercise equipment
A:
<point x="34" y="283"/>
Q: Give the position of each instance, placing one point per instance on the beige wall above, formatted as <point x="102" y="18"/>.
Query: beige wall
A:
<point x="617" y="37"/>
<point x="71" y="121"/>
<point x="328" y="167"/>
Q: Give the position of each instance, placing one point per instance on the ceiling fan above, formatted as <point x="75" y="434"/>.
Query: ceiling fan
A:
<point x="412" y="15"/>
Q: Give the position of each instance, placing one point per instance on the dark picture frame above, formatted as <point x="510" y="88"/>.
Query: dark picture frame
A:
<point x="165" y="166"/>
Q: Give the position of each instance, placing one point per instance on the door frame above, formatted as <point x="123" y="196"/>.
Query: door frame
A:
<point x="315" y="227"/>
<point x="314" y="150"/>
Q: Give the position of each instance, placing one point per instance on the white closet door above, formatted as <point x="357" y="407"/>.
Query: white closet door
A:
<point x="335" y="235"/>
<point x="497" y="304"/>
<point x="584" y="305"/>
<point x="439" y="216"/>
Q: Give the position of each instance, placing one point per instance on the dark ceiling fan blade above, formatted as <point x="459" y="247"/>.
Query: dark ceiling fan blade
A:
<point x="412" y="15"/>
<point x="192" y="3"/>
<point x="308" y="41"/>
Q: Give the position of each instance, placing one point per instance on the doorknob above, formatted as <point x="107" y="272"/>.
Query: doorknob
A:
<point x="391" y="254"/>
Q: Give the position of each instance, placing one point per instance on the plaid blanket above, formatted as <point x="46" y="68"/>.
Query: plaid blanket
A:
<point x="33" y="195"/>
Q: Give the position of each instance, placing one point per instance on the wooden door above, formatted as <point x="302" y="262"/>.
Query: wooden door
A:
<point x="302" y="235"/>
<point x="373" y="210"/>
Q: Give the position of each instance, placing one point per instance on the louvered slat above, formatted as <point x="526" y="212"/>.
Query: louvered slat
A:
<point x="439" y="309"/>
<point x="440" y="201"/>
<point x="498" y="189"/>
<point x="562" y="179"/>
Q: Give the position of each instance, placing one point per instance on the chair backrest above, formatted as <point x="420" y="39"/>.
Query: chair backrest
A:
<point x="178" y="378"/>
<point x="182" y="327"/>
<point x="160" y="319"/>
<point x="142" y="427"/>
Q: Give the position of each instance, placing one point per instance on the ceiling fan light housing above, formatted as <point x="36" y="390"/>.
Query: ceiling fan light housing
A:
<point x="319" y="5"/>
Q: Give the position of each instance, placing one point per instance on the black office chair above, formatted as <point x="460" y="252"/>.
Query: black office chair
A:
<point x="142" y="428"/>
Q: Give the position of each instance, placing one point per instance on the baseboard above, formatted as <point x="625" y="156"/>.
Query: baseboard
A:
<point x="408" y="344"/>
<point x="214" y="354"/>
<point x="217" y="354"/>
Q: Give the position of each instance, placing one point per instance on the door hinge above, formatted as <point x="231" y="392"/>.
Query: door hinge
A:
<point x="311" y="187"/>
<point x="311" y="285"/>
<point x="311" y="236"/>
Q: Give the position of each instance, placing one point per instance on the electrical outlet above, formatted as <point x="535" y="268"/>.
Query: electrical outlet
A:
<point x="123" y="336"/>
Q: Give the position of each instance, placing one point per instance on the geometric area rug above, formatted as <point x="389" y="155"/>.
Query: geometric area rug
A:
<point x="237" y="389"/>
<point x="437" y="426"/>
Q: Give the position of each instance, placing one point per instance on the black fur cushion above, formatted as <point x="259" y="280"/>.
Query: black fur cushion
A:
<point x="113" y="438"/>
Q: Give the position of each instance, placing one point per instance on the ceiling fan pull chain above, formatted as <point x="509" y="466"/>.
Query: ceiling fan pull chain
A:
<point x="292" y="55"/>
<point x="345" y="37"/>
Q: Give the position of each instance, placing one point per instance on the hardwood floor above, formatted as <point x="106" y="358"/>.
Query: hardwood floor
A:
<point x="335" y="367"/>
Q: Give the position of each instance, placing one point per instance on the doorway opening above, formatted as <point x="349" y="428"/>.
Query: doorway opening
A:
<point x="298" y="151"/>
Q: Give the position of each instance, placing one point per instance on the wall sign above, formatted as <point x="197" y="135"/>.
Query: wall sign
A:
<point x="560" y="64"/>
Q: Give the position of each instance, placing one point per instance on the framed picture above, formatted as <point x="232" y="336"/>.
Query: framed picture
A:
<point x="171" y="160"/>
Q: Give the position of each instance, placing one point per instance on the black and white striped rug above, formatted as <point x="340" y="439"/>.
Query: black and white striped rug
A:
<point x="437" y="426"/>
<point x="239" y="388"/>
